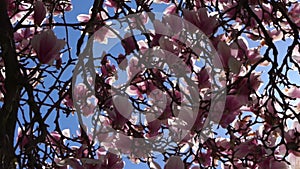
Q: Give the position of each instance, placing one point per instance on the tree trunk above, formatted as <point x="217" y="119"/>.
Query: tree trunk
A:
<point x="9" y="110"/>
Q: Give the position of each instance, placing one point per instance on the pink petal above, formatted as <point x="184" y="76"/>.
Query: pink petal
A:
<point x="161" y="1"/>
<point x="294" y="92"/>
<point x="111" y="3"/>
<point x="83" y="17"/>
<point x="170" y="9"/>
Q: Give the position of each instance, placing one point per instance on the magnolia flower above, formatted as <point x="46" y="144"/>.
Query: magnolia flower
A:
<point x="253" y="56"/>
<point x="39" y="12"/>
<point x="294" y="92"/>
<point x="225" y="53"/>
<point x="101" y="33"/>
<point x="47" y="46"/>
<point x="201" y="19"/>
<point x="231" y="110"/>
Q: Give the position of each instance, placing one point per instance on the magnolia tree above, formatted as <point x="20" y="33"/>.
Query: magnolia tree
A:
<point x="171" y="84"/>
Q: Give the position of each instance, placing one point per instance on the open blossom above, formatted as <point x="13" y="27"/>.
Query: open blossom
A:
<point x="231" y="110"/>
<point x="294" y="92"/>
<point x="201" y="19"/>
<point x="39" y="12"/>
<point x="253" y="55"/>
<point x="101" y="33"/>
<point x="47" y="46"/>
<point x="292" y="140"/>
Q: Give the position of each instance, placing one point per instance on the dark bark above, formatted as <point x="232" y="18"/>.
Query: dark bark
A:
<point x="9" y="110"/>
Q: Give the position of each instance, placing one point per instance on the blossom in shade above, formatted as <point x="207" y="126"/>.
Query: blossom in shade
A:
<point x="201" y="19"/>
<point x="174" y="162"/>
<point x="39" y="12"/>
<point x="271" y="163"/>
<point x="47" y="46"/>
<point x="128" y="43"/>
